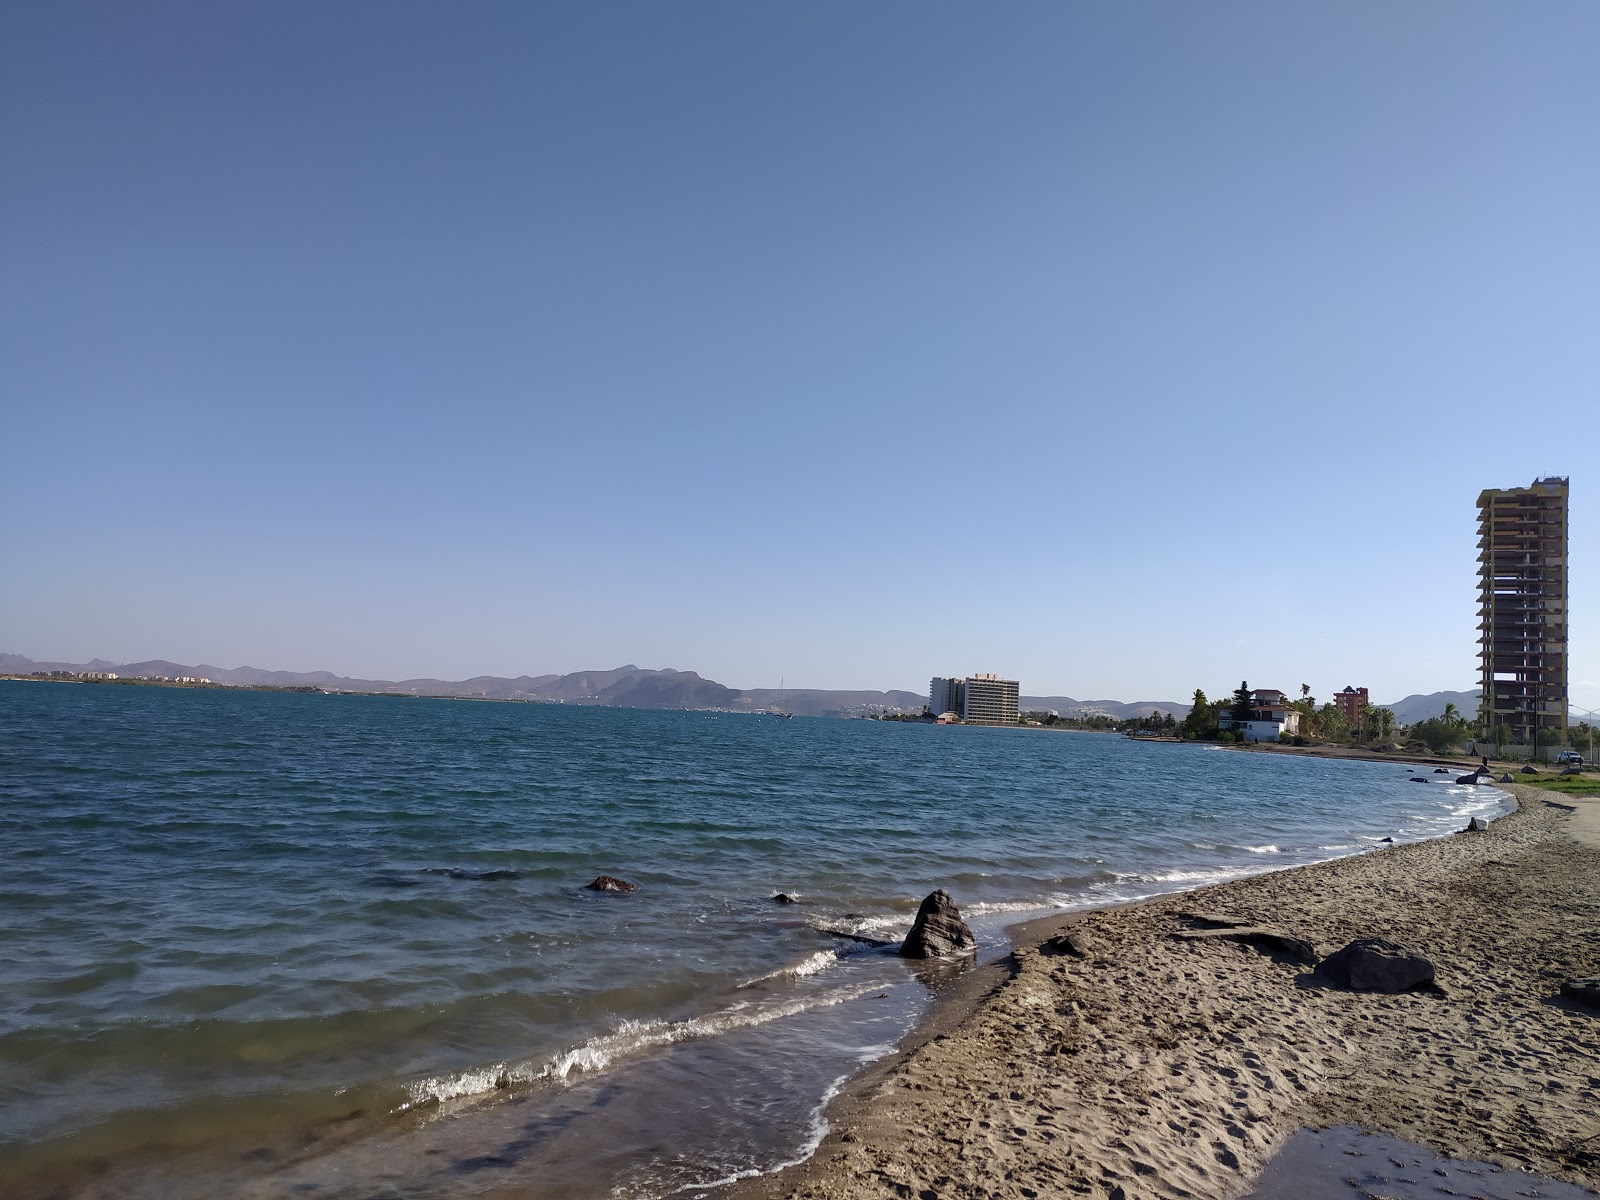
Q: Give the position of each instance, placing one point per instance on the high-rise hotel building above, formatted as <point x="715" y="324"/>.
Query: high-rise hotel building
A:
<point x="1522" y="609"/>
<point x="976" y="699"/>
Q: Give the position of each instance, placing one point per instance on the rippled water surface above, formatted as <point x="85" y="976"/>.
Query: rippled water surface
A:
<point x="274" y="944"/>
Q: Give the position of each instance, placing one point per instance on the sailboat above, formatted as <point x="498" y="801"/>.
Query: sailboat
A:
<point x="783" y="706"/>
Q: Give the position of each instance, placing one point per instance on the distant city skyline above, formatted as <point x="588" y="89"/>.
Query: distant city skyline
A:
<point x="1120" y="351"/>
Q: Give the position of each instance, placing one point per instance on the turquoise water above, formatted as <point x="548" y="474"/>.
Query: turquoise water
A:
<point x="278" y="944"/>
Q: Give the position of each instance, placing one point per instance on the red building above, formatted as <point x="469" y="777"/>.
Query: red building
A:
<point x="1352" y="702"/>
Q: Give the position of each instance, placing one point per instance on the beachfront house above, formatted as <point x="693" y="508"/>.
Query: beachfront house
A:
<point x="1271" y="718"/>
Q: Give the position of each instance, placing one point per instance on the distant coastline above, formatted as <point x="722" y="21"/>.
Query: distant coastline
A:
<point x="628" y="686"/>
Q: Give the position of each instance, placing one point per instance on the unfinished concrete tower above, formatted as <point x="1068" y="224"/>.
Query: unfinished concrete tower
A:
<point x="1522" y="610"/>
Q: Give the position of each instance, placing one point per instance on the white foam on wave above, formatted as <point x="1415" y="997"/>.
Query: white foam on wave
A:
<point x="878" y="924"/>
<point x="1005" y="906"/>
<point x="630" y="1037"/>
<point x="1195" y="877"/>
<point x="810" y="965"/>
<point x="1267" y="849"/>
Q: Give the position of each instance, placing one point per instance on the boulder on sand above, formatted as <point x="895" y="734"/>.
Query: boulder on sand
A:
<point x="1584" y="990"/>
<point x="1070" y="943"/>
<point x="1507" y="778"/>
<point x="1476" y="825"/>
<point x="1530" y="769"/>
<point x="1376" y="965"/>
<point x="610" y="883"/>
<point x="939" y="931"/>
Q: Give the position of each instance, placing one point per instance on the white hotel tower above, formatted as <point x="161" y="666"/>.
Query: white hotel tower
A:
<point x="976" y="699"/>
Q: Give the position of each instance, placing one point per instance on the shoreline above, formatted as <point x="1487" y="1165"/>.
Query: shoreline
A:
<point x="1164" y="1066"/>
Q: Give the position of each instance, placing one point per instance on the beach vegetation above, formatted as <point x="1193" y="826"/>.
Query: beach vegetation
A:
<point x="1310" y="719"/>
<point x="1243" y="703"/>
<point x="1442" y="734"/>
<point x="1332" y="724"/>
<point x="1202" y="719"/>
<point x="1567" y="785"/>
<point x="1584" y="735"/>
<point x="1378" y="724"/>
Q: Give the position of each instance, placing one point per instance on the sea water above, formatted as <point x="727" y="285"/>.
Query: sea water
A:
<point x="269" y="944"/>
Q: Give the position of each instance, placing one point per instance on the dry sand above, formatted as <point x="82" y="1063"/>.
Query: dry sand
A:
<point x="1163" y="1066"/>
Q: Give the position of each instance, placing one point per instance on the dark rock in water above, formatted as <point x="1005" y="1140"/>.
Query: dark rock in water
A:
<point x="1376" y="965"/>
<point x="1388" y="839"/>
<point x="1508" y="778"/>
<point x="1473" y="778"/>
<point x="1071" y="943"/>
<point x="1441" y="770"/>
<point x="785" y="898"/>
<point x="610" y="883"/>
<point x="854" y="937"/>
<point x="1418" y="779"/>
<point x="939" y="931"/>
<point x="1530" y="769"/>
<point x="1476" y="825"/>
<point x="1587" y="991"/>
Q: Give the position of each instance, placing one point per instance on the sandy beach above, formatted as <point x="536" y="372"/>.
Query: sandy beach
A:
<point x="1164" y="1064"/>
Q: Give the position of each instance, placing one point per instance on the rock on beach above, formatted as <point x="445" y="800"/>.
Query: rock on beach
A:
<point x="1585" y="990"/>
<point x="1376" y="965"/>
<point x="939" y="931"/>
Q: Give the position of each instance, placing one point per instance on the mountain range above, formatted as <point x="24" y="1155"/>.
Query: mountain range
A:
<point x="624" y="687"/>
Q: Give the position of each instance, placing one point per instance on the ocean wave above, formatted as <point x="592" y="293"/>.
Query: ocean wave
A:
<point x="810" y="965"/>
<point x="630" y="1037"/>
<point x="1198" y="878"/>
<point x="1267" y="849"/>
<point x="869" y="926"/>
<point x="1004" y="906"/>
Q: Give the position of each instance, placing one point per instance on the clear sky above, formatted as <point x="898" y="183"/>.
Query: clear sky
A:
<point x="1119" y="348"/>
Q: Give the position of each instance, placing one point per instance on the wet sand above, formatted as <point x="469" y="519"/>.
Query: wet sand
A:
<point x="1168" y="1066"/>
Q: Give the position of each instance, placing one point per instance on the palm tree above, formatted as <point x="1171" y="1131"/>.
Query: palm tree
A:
<point x="1384" y="720"/>
<point x="1455" y="721"/>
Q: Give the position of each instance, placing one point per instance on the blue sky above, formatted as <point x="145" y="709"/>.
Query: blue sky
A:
<point x="1117" y="348"/>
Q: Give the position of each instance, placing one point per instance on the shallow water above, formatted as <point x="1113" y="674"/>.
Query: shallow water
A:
<point x="281" y="944"/>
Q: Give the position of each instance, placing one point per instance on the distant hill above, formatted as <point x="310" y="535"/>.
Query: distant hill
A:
<point x="1420" y="708"/>
<point x="1116" y="709"/>
<point x="627" y="686"/>
<point x="810" y="702"/>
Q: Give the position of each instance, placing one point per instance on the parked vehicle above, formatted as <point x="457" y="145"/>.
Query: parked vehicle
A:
<point x="1570" y="758"/>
